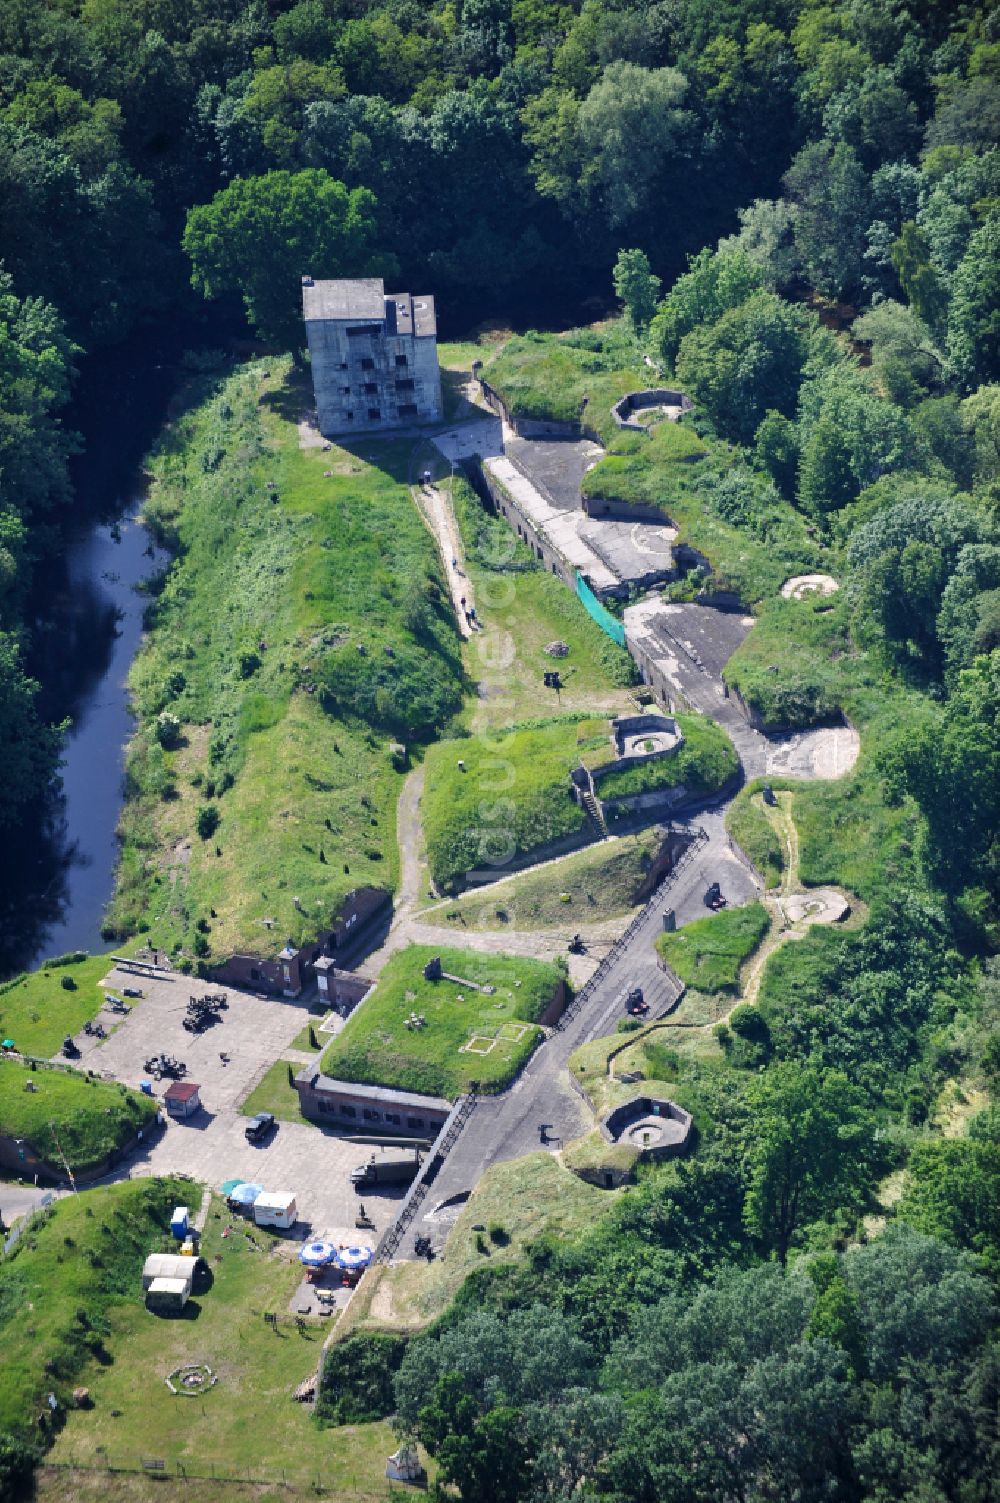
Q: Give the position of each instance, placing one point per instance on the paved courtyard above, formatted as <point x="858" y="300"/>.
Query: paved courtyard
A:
<point x="211" y="1146"/>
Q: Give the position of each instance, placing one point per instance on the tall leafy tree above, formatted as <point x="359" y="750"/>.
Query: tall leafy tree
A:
<point x="746" y="363"/>
<point x="260" y="236"/>
<point x="809" y="1155"/>
<point x="637" y="287"/>
<point x="631" y="124"/>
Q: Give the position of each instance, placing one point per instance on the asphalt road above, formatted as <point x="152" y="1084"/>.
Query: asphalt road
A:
<point x="508" y="1126"/>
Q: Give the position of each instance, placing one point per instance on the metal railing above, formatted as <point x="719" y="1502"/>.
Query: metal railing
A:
<point x="389" y="1242"/>
<point x="624" y="940"/>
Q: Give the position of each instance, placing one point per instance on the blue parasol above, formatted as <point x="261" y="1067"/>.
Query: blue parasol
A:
<point x="245" y="1194"/>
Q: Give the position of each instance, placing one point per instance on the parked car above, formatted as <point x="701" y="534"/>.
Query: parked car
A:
<point x="260" y="1126"/>
<point x="131" y="991"/>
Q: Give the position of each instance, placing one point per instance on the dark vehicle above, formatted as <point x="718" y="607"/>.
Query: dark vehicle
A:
<point x="391" y="1169"/>
<point x="159" y="1065"/>
<point x="70" y="1049"/>
<point x="131" y="991"/>
<point x="635" y="1003"/>
<point x="713" y="897"/>
<point x="260" y="1126"/>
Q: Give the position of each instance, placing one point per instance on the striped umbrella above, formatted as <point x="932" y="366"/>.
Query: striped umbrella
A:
<point x="317" y="1254"/>
<point x="353" y="1258"/>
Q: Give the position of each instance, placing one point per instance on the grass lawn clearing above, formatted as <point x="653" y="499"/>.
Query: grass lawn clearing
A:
<point x="522" y="609"/>
<point x="708" y="954"/>
<point x="446" y="1056"/>
<point x="310" y="1037"/>
<point x="61" y="1284"/>
<point x="597" y="883"/>
<point x="275" y="1093"/>
<point x="248" y="1420"/>
<point x="37" y="1010"/>
<point x="91" y="1118"/>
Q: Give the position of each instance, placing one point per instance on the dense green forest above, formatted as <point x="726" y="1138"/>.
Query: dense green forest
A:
<point x="501" y="152"/>
<point x="807" y="196"/>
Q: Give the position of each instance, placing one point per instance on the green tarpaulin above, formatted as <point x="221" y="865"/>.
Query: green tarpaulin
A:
<point x="603" y="617"/>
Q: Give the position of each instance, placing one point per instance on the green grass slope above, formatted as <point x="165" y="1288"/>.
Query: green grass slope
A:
<point x="512" y="796"/>
<point x="703" y="764"/>
<point x="90" y="1118"/>
<point x="38" y="1009"/>
<point x="708" y="953"/>
<point x="59" y="1284"/>
<point x="378" y="1048"/>
<point x="301" y="631"/>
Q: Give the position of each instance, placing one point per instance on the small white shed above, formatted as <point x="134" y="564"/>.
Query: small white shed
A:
<point x="275" y="1208"/>
<point x="168" y="1294"/>
<point x="168" y="1266"/>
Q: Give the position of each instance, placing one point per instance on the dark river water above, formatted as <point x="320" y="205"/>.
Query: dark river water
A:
<point x="57" y="874"/>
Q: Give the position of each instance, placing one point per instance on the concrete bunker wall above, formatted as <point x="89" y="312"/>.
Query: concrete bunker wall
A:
<point x="507" y="507"/>
<point x="623" y="1119"/>
<point x="638" y="401"/>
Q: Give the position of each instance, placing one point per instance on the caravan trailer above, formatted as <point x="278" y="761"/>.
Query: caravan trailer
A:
<point x="275" y="1208"/>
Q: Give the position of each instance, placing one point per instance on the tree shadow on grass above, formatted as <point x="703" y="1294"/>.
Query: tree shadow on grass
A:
<point x="293" y="399"/>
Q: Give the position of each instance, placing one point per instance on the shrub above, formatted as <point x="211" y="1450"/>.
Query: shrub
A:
<point x="356" y="1382"/>
<point x="208" y="821"/>
<point x="168" y="729"/>
<point x="67" y="983"/>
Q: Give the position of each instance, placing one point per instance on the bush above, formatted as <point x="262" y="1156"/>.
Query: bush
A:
<point x="168" y="729"/>
<point x="208" y="821"/>
<point x="67" y="983"/>
<point x="356" y="1382"/>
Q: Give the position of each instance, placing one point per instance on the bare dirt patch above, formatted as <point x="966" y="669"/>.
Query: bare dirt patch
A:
<point x="826" y="752"/>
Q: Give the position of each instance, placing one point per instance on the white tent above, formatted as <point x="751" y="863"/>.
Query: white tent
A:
<point x="168" y="1266"/>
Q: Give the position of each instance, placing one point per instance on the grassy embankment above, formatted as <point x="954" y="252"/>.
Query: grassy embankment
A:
<point x="709" y="953"/>
<point x="568" y="377"/>
<point x="38" y="1009"/>
<point x="300" y="633"/>
<point x="602" y="882"/>
<point x="703" y="764"/>
<point x="60" y="1286"/>
<point x="513" y="794"/>
<point x="134" y="1414"/>
<point x="469" y="1035"/>
<point x="517" y="1203"/>
<point x="90" y="1118"/>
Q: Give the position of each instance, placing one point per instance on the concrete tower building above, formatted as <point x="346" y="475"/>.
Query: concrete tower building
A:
<point x="374" y="357"/>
